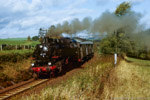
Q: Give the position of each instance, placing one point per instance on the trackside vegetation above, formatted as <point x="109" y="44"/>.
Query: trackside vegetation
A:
<point x="14" y="55"/>
<point x="100" y="80"/>
<point x="14" y="65"/>
<point x="128" y="81"/>
<point x="86" y="84"/>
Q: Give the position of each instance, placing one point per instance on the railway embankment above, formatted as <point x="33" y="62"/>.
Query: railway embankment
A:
<point x="99" y="79"/>
<point x="86" y="83"/>
<point x="14" y="67"/>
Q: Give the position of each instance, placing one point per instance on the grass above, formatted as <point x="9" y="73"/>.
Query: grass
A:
<point x="99" y="80"/>
<point x="18" y="41"/>
<point x="138" y="61"/>
<point x="86" y="84"/>
<point x="14" y="65"/>
<point x="6" y="52"/>
<point x="14" y="72"/>
<point x="128" y="81"/>
<point x="14" y="55"/>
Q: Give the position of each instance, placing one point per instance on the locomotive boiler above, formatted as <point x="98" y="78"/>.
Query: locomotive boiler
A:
<point x="51" y="55"/>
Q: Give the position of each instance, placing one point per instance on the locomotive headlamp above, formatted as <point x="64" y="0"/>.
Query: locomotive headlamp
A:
<point x="45" y="48"/>
<point x="49" y="63"/>
<point x="41" y="46"/>
<point x="32" y="64"/>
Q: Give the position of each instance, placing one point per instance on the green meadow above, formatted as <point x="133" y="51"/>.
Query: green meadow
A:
<point x="18" y="41"/>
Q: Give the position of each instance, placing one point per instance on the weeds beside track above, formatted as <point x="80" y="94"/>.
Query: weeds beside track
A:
<point x="20" y="88"/>
<point x="88" y="83"/>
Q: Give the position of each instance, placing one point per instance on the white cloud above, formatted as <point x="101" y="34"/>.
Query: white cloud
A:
<point x="20" y="18"/>
<point x="23" y="17"/>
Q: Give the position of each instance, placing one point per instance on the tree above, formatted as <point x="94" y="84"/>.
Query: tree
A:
<point x="35" y="38"/>
<point x="118" y="42"/>
<point x="28" y="39"/>
<point x="123" y="9"/>
<point x="125" y="45"/>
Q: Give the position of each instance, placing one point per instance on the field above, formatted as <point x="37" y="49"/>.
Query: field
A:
<point x="129" y="81"/>
<point x="18" y="41"/>
<point x="138" y="61"/>
<point x="98" y="79"/>
<point x="14" y="64"/>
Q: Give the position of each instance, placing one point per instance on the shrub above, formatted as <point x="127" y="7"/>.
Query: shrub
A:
<point x="14" y="56"/>
<point x="123" y="46"/>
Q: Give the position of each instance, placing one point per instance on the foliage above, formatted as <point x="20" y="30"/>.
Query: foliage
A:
<point x="123" y="9"/>
<point x="17" y="62"/>
<point x="120" y="42"/>
<point x="14" y="72"/>
<point x="14" y="55"/>
<point x="29" y="38"/>
<point x="107" y="45"/>
<point x="123" y="45"/>
<point x="120" y="45"/>
<point x="35" y="38"/>
<point x="85" y="84"/>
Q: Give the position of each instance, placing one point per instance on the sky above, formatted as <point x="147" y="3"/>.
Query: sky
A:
<point x="22" y="18"/>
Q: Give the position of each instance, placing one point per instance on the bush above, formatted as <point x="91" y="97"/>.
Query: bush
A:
<point x="14" y="56"/>
<point x="123" y="46"/>
<point x="142" y="56"/>
<point x="111" y="44"/>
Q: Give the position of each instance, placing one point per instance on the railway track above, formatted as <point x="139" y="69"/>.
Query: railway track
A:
<point x="7" y="93"/>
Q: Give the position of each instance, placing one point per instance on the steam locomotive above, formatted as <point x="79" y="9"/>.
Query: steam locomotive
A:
<point x="51" y="55"/>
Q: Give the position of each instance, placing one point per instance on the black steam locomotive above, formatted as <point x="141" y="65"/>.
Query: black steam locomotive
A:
<point x="51" y="55"/>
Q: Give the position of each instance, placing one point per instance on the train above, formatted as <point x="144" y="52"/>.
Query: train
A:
<point x="52" y="54"/>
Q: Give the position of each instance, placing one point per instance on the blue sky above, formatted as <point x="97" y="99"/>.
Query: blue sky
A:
<point x="22" y="18"/>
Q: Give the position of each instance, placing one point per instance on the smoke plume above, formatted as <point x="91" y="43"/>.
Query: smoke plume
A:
<point x="107" y="22"/>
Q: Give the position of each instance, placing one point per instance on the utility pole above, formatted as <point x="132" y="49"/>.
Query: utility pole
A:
<point x="116" y="51"/>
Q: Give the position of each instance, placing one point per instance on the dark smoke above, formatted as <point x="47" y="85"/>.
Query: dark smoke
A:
<point x="70" y="28"/>
<point x="143" y="38"/>
<point x="107" y="22"/>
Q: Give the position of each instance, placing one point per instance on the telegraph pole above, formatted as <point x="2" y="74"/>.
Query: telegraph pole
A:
<point x="116" y="52"/>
